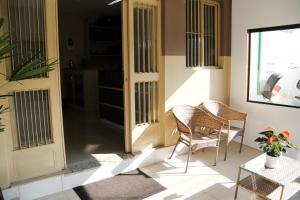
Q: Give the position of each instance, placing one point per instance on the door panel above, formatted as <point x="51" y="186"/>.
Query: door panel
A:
<point x="37" y="146"/>
<point x="40" y="161"/>
<point x="143" y="76"/>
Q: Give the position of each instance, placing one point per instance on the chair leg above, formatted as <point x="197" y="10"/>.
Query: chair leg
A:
<point x="203" y="150"/>
<point x="174" y="149"/>
<point x="241" y="145"/>
<point x="217" y="154"/>
<point x="226" y="150"/>
<point x="188" y="159"/>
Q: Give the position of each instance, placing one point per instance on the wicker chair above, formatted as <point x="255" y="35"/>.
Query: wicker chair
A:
<point x="191" y="123"/>
<point x="226" y="114"/>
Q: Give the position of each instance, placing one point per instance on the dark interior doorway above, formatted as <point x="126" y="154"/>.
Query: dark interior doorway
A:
<point x="91" y="78"/>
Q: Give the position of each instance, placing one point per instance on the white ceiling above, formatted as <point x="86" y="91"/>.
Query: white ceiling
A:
<point x="89" y="7"/>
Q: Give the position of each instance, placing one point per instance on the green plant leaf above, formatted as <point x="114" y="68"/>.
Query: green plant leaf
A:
<point x="284" y="150"/>
<point x="281" y="136"/>
<point x="260" y="139"/>
<point x="32" y="66"/>
<point x="5" y="46"/>
<point x="291" y="146"/>
<point x="267" y="133"/>
<point x="7" y="95"/>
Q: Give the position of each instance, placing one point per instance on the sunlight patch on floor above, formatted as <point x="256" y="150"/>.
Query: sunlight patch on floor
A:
<point x="203" y="180"/>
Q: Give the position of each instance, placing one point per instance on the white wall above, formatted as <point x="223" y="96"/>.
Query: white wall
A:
<point x="249" y="14"/>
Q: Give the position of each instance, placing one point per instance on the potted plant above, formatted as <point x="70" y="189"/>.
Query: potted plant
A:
<point x="274" y="145"/>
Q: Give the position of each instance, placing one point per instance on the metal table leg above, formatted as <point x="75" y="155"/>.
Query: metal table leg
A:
<point x="237" y="184"/>
<point x="281" y="195"/>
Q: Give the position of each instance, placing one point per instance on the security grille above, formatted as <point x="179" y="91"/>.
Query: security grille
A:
<point x="146" y="102"/>
<point x="32" y="114"/>
<point x="145" y="40"/>
<point x="202" y="33"/>
<point x="26" y="19"/>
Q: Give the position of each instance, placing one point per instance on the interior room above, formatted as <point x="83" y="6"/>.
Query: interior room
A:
<point x="210" y="90"/>
<point x="91" y="78"/>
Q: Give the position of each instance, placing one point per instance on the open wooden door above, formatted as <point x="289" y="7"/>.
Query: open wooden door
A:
<point x="143" y="74"/>
<point x="34" y="129"/>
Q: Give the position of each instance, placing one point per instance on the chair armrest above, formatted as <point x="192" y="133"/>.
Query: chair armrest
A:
<point x="219" y="118"/>
<point x="224" y="112"/>
<point x="232" y="114"/>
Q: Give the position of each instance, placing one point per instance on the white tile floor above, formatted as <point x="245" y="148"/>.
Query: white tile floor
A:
<point x="203" y="181"/>
<point x="66" y="195"/>
<point x="110" y="165"/>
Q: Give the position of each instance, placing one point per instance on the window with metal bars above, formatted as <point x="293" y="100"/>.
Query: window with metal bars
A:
<point x="202" y="30"/>
<point x="146" y="102"/>
<point x="145" y="59"/>
<point x="146" y="63"/>
<point x="26" y="19"/>
<point x="32" y="119"/>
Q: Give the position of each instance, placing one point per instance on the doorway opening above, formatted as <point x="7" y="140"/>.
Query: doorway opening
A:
<point x="90" y="35"/>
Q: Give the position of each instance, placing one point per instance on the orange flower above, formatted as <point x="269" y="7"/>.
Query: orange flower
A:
<point x="269" y="140"/>
<point x="270" y="128"/>
<point x="286" y="134"/>
<point x="272" y="139"/>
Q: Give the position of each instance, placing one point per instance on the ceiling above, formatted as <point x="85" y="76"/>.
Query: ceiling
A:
<point x="88" y="7"/>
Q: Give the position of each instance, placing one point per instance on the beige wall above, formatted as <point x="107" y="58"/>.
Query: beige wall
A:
<point x="5" y="142"/>
<point x="256" y="14"/>
<point x="5" y="147"/>
<point x="190" y="86"/>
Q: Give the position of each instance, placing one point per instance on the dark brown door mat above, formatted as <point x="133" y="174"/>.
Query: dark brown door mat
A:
<point x="132" y="185"/>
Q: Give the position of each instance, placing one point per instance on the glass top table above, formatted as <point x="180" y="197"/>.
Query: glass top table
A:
<point x="267" y="182"/>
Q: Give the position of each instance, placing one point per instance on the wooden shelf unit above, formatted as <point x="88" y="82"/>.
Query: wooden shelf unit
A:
<point x="105" y="48"/>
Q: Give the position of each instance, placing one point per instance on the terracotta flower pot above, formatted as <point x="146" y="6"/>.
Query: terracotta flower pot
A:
<point x="272" y="162"/>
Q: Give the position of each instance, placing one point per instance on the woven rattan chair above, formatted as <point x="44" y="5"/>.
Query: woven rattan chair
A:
<point x="226" y="114"/>
<point x="191" y="123"/>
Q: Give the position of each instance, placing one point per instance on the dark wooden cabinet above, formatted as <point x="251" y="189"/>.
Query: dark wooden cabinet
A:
<point x="105" y="52"/>
<point x="105" y="40"/>
<point x="111" y="100"/>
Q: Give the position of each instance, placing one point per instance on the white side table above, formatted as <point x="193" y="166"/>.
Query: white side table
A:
<point x="280" y="183"/>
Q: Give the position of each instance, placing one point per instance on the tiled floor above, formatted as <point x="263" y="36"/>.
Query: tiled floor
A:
<point x="203" y="181"/>
<point x="86" y="135"/>
<point x="66" y="195"/>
